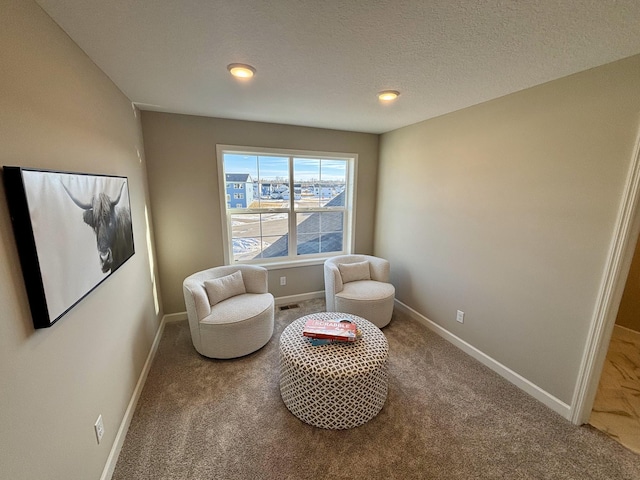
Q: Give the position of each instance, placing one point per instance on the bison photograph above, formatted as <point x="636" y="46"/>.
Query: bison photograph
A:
<point x="81" y="230"/>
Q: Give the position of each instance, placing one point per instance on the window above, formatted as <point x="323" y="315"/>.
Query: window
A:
<point x="301" y="208"/>
<point x="238" y="186"/>
<point x="238" y="196"/>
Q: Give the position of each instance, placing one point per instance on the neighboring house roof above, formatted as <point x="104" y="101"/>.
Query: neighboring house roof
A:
<point x="238" y="177"/>
<point x="329" y="242"/>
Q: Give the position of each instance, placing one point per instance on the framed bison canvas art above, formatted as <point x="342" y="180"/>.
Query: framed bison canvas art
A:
<point x="72" y="231"/>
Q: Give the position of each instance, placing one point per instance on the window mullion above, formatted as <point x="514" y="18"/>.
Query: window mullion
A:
<point x="229" y="239"/>
<point x="293" y="233"/>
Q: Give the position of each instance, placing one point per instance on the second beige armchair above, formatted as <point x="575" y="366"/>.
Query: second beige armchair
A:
<point x="359" y="284"/>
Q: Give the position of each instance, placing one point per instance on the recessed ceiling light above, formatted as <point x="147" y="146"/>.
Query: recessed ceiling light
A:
<point x="388" y="95"/>
<point x="241" y="70"/>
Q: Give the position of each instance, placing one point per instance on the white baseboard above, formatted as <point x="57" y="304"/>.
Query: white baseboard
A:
<point x="301" y="297"/>
<point x="112" y="459"/>
<point x="519" y="381"/>
<point x="175" y="317"/>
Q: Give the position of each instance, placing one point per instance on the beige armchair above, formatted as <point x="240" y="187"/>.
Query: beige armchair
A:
<point x="359" y="284"/>
<point x="229" y="309"/>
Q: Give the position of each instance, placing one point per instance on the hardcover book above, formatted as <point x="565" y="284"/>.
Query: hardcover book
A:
<point x="344" y="331"/>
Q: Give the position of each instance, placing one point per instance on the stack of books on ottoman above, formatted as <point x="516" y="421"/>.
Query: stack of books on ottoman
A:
<point x="322" y="332"/>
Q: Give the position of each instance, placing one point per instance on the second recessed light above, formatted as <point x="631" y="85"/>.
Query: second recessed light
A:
<point x="241" y="70"/>
<point x="388" y="95"/>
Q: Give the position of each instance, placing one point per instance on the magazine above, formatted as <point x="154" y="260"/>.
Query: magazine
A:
<point x="343" y="330"/>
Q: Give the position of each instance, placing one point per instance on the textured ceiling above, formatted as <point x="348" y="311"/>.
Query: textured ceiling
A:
<point x="321" y="63"/>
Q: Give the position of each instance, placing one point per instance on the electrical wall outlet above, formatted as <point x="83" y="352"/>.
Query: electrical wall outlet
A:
<point x="460" y="316"/>
<point x="283" y="281"/>
<point x="99" y="426"/>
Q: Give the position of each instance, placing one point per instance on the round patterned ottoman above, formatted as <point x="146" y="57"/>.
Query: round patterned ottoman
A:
<point x="338" y="385"/>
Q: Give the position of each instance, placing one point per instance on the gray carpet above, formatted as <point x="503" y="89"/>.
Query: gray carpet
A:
<point x="446" y="417"/>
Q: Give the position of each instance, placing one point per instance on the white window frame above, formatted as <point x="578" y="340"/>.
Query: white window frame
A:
<point x="293" y="259"/>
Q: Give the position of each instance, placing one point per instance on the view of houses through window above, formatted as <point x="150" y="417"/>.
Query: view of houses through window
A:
<point x="284" y="207"/>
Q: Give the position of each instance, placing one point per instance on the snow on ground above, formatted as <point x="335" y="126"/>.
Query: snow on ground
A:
<point x="247" y="245"/>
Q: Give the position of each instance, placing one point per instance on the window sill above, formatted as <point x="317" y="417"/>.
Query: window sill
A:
<point x="290" y="263"/>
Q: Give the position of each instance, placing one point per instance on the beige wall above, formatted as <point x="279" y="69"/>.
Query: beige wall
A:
<point x="506" y="211"/>
<point x="183" y="184"/>
<point x="629" y="311"/>
<point x="59" y="111"/>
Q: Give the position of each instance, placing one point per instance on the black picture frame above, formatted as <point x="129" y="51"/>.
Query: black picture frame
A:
<point x="72" y="230"/>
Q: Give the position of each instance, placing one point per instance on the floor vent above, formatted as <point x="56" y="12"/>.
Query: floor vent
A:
<point x="289" y="307"/>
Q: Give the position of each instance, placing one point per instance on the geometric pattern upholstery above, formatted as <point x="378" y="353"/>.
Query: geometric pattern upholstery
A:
<point x="338" y="385"/>
<point x="371" y="299"/>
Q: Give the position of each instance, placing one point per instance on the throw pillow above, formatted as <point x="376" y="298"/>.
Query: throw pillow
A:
<point x="220" y="289"/>
<point x="352" y="272"/>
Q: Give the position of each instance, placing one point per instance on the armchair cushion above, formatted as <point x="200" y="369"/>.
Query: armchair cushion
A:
<point x="367" y="291"/>
<point x="238" y="309"/>
<point x="352" y="272"/>
<point x="219" y="289"/>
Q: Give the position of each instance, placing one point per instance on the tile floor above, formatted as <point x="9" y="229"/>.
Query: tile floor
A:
<point x="616" y="410"/>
